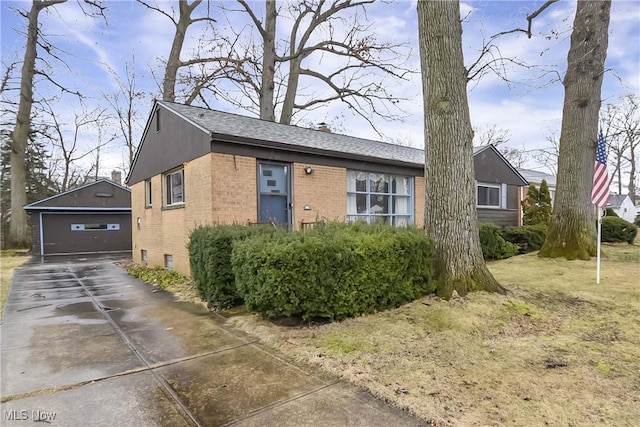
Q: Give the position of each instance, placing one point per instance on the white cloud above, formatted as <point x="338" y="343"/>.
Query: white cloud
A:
<point x="529" y="111"/>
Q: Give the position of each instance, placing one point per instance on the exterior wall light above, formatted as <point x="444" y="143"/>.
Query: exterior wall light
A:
<point x="308" y="170"/>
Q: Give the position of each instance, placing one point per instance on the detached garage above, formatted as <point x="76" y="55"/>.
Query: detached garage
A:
<point x="89" y="219"/>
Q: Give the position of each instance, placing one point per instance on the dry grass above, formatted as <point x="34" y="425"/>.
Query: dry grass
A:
<point x="9" y="261"/>
<point x="557" y="350"/>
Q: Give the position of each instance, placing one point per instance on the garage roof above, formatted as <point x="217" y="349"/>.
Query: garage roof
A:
<point x="100" y="195"/>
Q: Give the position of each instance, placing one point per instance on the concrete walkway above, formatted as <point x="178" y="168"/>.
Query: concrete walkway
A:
<point x="82" y="343"/>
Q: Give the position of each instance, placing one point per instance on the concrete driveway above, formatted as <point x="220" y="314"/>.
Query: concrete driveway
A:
<point x="82" y="343"/>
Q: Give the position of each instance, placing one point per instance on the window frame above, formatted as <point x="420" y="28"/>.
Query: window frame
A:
<point x="148" y="193"/>
<point x="168" y="186"/>
<point x="168" y="261"/>
<point x="488" y="185"/>
<point x="391" y="216"/>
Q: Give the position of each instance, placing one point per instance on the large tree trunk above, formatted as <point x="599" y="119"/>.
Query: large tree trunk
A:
<point x="292" y="89"/>
<point x="18" y="229"/>
<point x="267" y="107"/>
<point x="450" y="207"/>
<point x="173" y="61"/>
<point x="572" y="231"/>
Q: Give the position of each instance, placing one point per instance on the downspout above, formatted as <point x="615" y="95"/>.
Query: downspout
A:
<point x="41" y="236"/>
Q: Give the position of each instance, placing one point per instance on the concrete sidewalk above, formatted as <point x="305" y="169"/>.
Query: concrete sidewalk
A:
<point x="82" y="343"/>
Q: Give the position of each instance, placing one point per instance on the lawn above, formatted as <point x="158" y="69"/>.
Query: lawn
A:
<point x="9" y="261"/>
<point x="556" y="350"/>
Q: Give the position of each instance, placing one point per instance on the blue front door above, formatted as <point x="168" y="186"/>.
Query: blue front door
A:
<point x="274" y="193"/>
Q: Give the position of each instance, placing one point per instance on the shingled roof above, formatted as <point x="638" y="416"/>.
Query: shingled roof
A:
<point x="615" y="201"/>
<point x="222" y="124"/>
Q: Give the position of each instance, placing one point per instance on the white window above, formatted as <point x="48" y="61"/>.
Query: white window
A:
<point x="378" y="197"/>
<point x="174" y="188"/>
<point x="168" y="261"/>
<point x="144" y="256"/>
<point x="148" y="201"/>
<point x="493" y="196"/>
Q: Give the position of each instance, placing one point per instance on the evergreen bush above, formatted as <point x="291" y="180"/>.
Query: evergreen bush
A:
<point x="536" y="207"/>
<point x="615" y="229"/>
<point x="527" y="238"/>
<point x="610" y="212"/>
<point x="494" y="246"/>
<point x="333" y="271"/>
<point x="210" y="260"/>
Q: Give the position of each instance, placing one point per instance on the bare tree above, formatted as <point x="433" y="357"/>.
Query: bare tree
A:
<point x="18" y="231"/>
<point x="572" y="229"/>
<point x="450" y="208"/>
<point x="616" y="142"/>
<point x="210" y="67"/>
<point x="494" y="135"/>
<point x="72" y="149"/>
<point x="125" y="107"/>
<point x="622" y="120"/>
<point x="367" y="68"/>
<point x="490" y="60"/>
<point x="548" y="156"/>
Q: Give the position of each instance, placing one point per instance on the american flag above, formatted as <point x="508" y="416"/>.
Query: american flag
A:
<point x="600" y="189"/>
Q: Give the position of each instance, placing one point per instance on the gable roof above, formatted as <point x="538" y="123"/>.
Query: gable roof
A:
<point x="616" y="200"/>
<point x="77" y="198"/>
<point x="221" y="124"/>
<point x="537" y="176"/>
<point x="251" y="131"/>
<point x="517" y="175"/>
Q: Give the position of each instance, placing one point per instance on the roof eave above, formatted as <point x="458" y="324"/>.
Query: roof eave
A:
<point x="232" y="139"/>
<point x="35" y="204"/>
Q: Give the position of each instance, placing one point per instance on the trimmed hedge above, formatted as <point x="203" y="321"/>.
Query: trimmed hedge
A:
<point x="333" y="271"/>
<point x="210" y="259"/>
<point x="615" y="229"/>
<point x="527" y="238"/>
<point x="494" y="246"/>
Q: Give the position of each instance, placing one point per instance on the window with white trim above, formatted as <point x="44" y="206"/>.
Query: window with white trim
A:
<point x="147" y="193"/>
<point x="488" y="195"/>
<point x="174" y="188"/>
<point x="379" y="197"/>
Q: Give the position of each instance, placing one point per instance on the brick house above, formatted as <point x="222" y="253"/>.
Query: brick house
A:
<point x="196" y="166"/>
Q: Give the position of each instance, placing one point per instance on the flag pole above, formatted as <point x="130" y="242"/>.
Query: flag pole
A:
<point x="598" y="255"/>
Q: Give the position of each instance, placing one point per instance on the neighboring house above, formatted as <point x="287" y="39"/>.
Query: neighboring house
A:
<point x="623" y="207"/>
<point x="536" y="177"/>
<point x="92" y="218"/>
<point x="196" y="166"/>
<point x="498" y="187"/>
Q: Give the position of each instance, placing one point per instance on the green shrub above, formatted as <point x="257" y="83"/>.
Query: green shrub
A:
<point x="333" y="271"/>
<point x="158" y="276"/>
<point x="210" y="260"/>
<point x="527" y="238"/>
<point x="536" y="207"/>
<point x="493" y="244"/>
<point x="612" y="213"/>
<point x="616" y="229"/>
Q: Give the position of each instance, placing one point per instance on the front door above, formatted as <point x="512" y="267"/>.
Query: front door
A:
<point x="274" y="193"/>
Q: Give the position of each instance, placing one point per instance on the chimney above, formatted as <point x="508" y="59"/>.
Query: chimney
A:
<point x="323" y="127"/>
<point x="116" y="176"/>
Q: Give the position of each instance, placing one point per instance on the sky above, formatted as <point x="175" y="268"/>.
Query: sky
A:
<point x="528" y="106"/>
